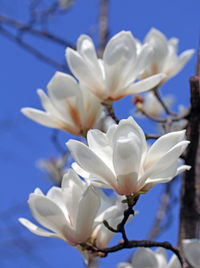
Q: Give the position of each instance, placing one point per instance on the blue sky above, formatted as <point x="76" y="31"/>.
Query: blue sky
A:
<point x="23" y="141"/>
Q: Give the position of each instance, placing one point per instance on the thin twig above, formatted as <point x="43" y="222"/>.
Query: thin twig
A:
<point x="33" y="50"/>
<point x="167" y="110"/>
<point x="19" y="26"/>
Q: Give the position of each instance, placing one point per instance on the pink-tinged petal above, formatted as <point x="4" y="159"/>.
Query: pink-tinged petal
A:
<point x="87" y="211"/>
<point x="145" y="84"/>
<point x="37" y="230"/>
<point x="180" y="62"/>
<point x="174" y="262"/>
<point x="144" y="257"/>
<point x="42" y="118"/>
<point x="191" y="249"/>
<point x="163" y="145"/>
<point x="48" y="214"/>
<point x="90" y="162"/>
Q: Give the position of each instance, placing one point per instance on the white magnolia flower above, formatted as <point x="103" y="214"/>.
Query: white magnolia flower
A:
<point x="152" y="106"/>
<point x="191" y="249"/>
<point x="69" y="106"/>
<point x="120" y="159"/>
<point x="146" y="258"/>
<point x="68" y="212"/>
<point x="164" y="56"/>
<point x="112" y="77"/>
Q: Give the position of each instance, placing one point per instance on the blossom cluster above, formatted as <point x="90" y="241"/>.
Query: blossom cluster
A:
<point x="116" y="156"/>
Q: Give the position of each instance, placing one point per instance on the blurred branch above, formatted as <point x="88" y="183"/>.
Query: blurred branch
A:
<point x="161" y="213"/>
<point x="27" y="28"/>
<point x="103" y="26"/>
<point x="32" y="50"/>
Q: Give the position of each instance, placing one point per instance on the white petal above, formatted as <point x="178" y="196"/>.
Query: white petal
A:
<point x="158" y="42"/>
<point x="72" y="188"/>
<point x="145" y="84"/>
<point x="174" y="262"/>
<point x="128" y="128"/>
<point x="191" y="248"/>
<point x="86" y="49"/>
<point x="89" y="161"/>
<point x="90" y="179"/>
<point x="66" y="96"/>
<point x="161" y="257"/>
<point x="48" y="214"/>
<point x="165" y="161"/>
<point x="48" y="106"/>
<point x="181" y="61"/>
<point x="121" y="45"/>
<point x="119" y="57"/>
<point x="182" y="169"/>
<point x="42" y="118"/>
<point x="55" y="194"/>
<point x="37" y="230"/>
<point x="84" y="72"/>
<point x="126" y="160"/>
<point x="88" y="207"/>
<point x="124" y="265"/>
<point x="99" y="144"/>
<point x="164" y="144"/>
<point x="144" y="257"/>
<point x="163" y="177"/>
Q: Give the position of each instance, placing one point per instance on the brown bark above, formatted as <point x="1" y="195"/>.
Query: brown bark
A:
<point x="190" y="189"/>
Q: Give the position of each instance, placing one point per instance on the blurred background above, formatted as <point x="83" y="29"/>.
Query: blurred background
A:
<point x="33" y="38"/>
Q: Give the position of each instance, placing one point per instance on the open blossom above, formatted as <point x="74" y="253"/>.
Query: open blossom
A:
<point x="164" y="55"/>
<point x="120" y="158"/>
<point x="69" y="106"/>
<point x="146" y="258"/>
<point x="112" y="77"/>
<point x="68" y="212"/>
